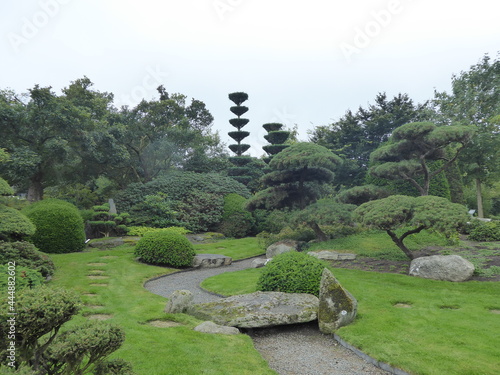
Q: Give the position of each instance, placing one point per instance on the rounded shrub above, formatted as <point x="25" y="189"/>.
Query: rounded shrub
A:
<point x="485" y="231"/>
<point x="236" y="222"/>
<point x="59" y="226"/>
<point x="292" y="272"/>
<point x="165" y="248"/>
<point x="14" y="226"/>
<point x="25" y="277"/>
<point x="27" y="255"/>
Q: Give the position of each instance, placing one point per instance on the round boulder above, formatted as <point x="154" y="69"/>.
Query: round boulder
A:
<point x="442" y="267"/>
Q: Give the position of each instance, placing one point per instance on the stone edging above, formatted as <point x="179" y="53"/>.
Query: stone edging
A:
<point x="367" y="358"/>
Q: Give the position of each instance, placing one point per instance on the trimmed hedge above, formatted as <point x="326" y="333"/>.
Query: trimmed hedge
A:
<point x="236" y="222"/>
<point x="485" y="231"/>
<point x="14" y="226"/>
<point x="292" y="272"/>
<point x="59" y="226"/>
<point x="165" y="248"/>
<point x="27" y="255"/>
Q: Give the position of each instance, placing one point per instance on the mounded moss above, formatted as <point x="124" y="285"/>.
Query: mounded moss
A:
<point x="165" y="248"/>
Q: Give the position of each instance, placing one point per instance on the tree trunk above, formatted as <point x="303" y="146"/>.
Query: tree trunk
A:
<point x="320" y="235"/>
<point x="480" y="212"/>
<point x="35" y="190"/>
<point x="399" y="243"/>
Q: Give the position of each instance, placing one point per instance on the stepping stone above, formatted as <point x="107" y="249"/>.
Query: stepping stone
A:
<point x="98" y="284"/>
<point x="109" y="257"/>
<point x="90" y="294"/>
<point x="97" y="264"/>
<point x="100" y="316"/>
<point x="97" y="277"/>
<point x="164" y="323"/>
<point x="96" y="272"/>
<point x="94" y="307"/>
<point x="211" y="260"/>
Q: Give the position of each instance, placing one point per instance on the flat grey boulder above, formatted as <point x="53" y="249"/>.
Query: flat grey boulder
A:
<point x="281" y="247"/>
<point x="442" y="267"/>
<point x="179" y="302"/>
<point x="211" y="260"/>
<point x="259" y="262"/>
<point x="259" y="309"/>
<point x="337" y="307"/>
<point x="332" y="255"/>
<point x="211" y="327"/>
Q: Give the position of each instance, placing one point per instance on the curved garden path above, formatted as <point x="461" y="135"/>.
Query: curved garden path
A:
<point x="290" y="350"/>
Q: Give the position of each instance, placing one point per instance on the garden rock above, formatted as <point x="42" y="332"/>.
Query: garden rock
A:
<point x="211" y="327"/>
<point x="259" y="309"/>
<point x="108" y="243"/>
<point x="211" y="260"/>
<point x="179" y="302"/>
<point x="331" y="255"/>
<point x="442" y="267"/>
<point x="281" y="247"/>
<point x="259" y="262"/>
<point x="337" y="307"/>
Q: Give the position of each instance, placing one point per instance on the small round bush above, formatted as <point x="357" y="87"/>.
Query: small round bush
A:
<point x="236" y="222"/>
<point x="27" y="255"/>
<point x="14" y="226"/>
<point x="292" y="272"/>
<point x="59" y="226"/>
<point x="489" y="231"/>
<point x="165" y="248"/>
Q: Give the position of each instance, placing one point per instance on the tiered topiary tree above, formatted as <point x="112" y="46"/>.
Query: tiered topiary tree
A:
<point x="276" y="137"/>
<point x="239" y="172"/>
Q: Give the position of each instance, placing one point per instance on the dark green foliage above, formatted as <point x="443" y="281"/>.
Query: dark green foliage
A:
<point x="272" y="221"/>
<point x="14" y="226"/>
<point x="74" y="350"/>
<point x="27" y="255"/>
<point x="23" y="370"/>
<point x="239" y="110"/>
<point x="272" y="126"/>
<point x="239" y="135"/>
<point x="274" y="149"/>
<point x="24" y="277"/>
<point x="156" y="211"/>
<point x="200" y="211"/>
<point x="239" y="148"/>
<point x="361" y="194"/>
<point x="236" y="222"/>
<point x="59" y="226"/>
<point x="238" y="123"/>
<point x="113" y="367"/>
<point x="277" y="137"/>
<point x="78" y="194"/>
<point x="238" y="97"/>
<point x="40" y="311"/>
<point x="485" y="231"/>
<point x="165" y="248"/>
<point x="105" y="223"/>
<point x="5" y="188"/>
<point x="292" y="272"/>
<point x="178" y="186"/>
<point x="241" y="161"/>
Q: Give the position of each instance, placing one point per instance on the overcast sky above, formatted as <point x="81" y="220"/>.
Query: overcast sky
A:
<point x="301" y="62"/>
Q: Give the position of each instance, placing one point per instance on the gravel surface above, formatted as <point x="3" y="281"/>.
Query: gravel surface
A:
<point x="299" y="349"/>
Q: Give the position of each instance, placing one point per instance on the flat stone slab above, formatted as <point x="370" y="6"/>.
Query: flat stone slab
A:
<point x="259" y="309"/>
<point x="332" y="255"/>
<point x="211" y="260"/>
<point x="107" y="243"/>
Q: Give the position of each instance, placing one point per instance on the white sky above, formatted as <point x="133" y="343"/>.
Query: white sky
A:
<point x="301" y="62"/>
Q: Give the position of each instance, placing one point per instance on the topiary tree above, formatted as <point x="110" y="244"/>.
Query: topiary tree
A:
<point x="14" y="226"/>
<point x="157" y="211"/>
<point x="105" y="223"/>
<point x="165" y="248"/>
<point x="26" y="254"/>
<point x="292" y="272"/>
<point x="361" y="194"/>
<point x="324" y="212"/>
<point x="239" y="172"/>
<point x="401" y="216"/>
<point x="276" y="137"/>
<point x="236" y="222"/>
<point x="412" y="146"/>
<point x="295" y="173"/>
<point x="59" y="226"/>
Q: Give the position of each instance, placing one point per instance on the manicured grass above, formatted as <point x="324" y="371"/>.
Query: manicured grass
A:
<point x="151" y="350"/>
<point x="236" y="248"/>
<point x="440" y="328"/>
<point x="378" y="244"/>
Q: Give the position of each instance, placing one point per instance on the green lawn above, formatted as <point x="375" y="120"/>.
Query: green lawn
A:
<point x="151" y="350"/>
<point x="236" y="249"/>
<point x="425" y="327"/>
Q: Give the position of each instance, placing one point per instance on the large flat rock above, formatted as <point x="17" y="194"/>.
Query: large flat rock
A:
<point x="259" y="309"/>
<point x="211" y="260"/>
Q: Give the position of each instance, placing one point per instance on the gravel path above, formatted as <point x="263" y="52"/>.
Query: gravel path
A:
<point x="290" y="350"/>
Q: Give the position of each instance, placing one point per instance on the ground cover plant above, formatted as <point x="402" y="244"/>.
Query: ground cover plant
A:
<point x="119" y="294"/>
